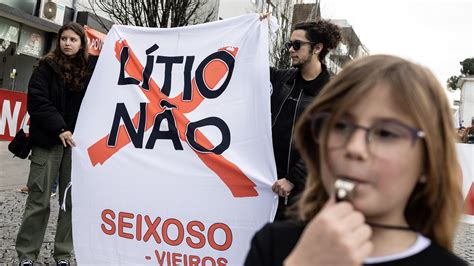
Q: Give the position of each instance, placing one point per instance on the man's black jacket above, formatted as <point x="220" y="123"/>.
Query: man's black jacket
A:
<point x="284" y="81"/>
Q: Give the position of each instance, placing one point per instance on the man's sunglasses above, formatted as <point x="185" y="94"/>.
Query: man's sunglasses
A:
<point x="296" y="44"/>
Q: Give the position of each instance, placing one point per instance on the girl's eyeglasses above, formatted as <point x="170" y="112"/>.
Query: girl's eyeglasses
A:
<point x="384" y="138"/>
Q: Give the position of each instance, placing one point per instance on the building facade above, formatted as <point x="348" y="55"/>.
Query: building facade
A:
<point x="466" y="103"/>
<point x="349" y="49"/>
<point x="288" y="14"/>
<point x="282" y="10"/>
<point x="28" y="30"/>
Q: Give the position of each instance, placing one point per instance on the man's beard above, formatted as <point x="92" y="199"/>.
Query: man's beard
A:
<point x="296" y="65"/>
<point x="299" y="64"/>
<point x="302" y="62"/>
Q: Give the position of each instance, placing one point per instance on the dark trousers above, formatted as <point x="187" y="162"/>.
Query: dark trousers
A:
<point x="45" y="166"/>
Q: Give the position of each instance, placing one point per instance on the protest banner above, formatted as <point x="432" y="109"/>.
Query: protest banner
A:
<point x="174" y="161"/>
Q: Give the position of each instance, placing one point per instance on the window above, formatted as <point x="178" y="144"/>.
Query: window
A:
<point x="31" y="42"/>
<point x="8" y="34"/>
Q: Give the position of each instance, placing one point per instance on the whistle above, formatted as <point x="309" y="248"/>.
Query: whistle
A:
<point x="343" y="189"/>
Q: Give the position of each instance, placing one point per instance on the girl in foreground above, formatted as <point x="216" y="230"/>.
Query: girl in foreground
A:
<point x="383" y="126"/>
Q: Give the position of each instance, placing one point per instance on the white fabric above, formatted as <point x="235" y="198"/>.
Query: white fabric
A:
<point x="421" y="244"/>
<point x="457" y="120"/>
<point x="273" y="25"/>
<point x="193" y="215"/>
<point x="466" y="159"/>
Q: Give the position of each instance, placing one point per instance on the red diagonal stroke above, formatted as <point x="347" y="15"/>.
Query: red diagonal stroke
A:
<point x="239" y="184"/>
<point x="134" y="69"/>
<point x="469" y="202"/>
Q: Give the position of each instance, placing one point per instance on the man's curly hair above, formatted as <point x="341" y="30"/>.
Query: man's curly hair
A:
<point x="321" y="31"/>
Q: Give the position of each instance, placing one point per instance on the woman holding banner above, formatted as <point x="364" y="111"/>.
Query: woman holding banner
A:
<point x="374" y="130"/>
<point x="55" y="93"/>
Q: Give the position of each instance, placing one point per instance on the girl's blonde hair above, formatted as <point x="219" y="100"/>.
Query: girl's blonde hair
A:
<point x="434" y="207"/>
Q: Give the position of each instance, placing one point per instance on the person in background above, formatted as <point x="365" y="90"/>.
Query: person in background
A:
<point x="469" y="135"/>
<point x="53" y="188"/>
<point x="55" y="93"/>
<point x="384" y="126"/>
<point x="24" y="190"/>
<point x="293" y="90"/>
<point x="462" y="136"/>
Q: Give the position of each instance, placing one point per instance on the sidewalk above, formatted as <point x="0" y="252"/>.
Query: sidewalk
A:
<point x="13" y="176"/>
<point x="12" y="205"/>
<point x="14" y="173"/>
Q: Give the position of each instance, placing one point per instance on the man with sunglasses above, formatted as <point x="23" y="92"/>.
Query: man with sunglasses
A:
<point x="293" y="90"/>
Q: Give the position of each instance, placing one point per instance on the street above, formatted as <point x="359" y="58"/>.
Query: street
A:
<point x="14" y="173"/>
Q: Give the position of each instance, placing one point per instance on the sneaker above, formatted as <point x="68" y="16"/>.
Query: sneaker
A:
<point x="24" y="190"/>
<point x="62" y="263"/>
<point x="26" y="263"/>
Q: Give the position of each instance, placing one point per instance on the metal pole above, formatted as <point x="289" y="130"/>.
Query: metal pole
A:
<point x="74" y="7"/>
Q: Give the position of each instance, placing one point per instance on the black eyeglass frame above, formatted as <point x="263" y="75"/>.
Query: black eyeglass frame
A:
<point x="297" y="44"/>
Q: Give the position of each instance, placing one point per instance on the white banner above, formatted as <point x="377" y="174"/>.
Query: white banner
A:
<point x="466" y="159"/>
<point x="174" y="161"/>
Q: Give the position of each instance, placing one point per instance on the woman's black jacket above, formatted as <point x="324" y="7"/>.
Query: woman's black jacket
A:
<point x="52" y="107"/>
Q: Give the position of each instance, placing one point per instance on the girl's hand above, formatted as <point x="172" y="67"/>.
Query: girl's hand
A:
<point x="337" y="235"/>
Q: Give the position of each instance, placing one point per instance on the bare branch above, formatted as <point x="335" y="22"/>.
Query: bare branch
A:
<point x="155" y="13"/>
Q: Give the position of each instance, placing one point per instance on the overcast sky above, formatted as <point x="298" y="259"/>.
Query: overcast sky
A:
<point x="436" y="33"/>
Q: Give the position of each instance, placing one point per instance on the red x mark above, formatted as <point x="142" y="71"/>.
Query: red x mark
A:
<point x="238" y="183"/>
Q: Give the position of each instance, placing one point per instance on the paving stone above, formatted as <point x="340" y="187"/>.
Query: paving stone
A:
<point x="11" y="210"/>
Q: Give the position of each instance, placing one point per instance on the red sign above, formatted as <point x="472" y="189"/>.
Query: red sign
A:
<point x="95" y="40"/>
<point x="12" y="113"/>
<point x="469" y="203"/>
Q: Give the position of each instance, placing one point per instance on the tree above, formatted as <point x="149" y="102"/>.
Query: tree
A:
<point x="452" y="82"/>
<point x="283" y="11"/>
<point x="466" y="70"/>
<point x="467" y="66"/>
<point x="279" y="54"/>
<point x="156" y="13"/>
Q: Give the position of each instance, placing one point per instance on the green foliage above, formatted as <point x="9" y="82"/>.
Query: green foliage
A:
<point x="467" y="66"/>
<point x="466" y="70"/>
<point x="452" y="82"/>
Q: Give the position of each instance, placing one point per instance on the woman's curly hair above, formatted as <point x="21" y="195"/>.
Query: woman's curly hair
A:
<point x="74" y="69"/>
